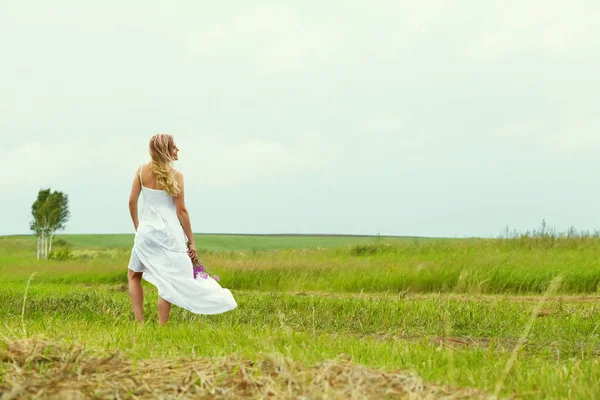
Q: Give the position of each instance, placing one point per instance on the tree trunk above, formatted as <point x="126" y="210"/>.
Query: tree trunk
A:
<point x="51" y="237"/>
<point x="38" y="246"/>
<point x="45" y="245"/>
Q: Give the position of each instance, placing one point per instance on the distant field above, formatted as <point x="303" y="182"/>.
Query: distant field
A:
<point x="229" y="242"/>
<point x="353" y="264"/>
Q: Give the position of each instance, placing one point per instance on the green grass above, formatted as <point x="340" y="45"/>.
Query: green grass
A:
<point x="414" y="266"/>
<point x="220" y="242"/>
<point x="570" y="322"/>
<point x="387" y="333"/>
<point x="446" y="309"/>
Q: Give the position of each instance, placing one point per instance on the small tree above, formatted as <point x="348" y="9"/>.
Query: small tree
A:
<point x="37" y="225"/>
<point x="50" y="213"/>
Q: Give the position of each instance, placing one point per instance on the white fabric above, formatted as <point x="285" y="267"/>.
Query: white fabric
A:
<point x="160" y="252"/>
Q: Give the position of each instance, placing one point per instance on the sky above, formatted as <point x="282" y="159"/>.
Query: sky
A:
<point x="421" y="118"/>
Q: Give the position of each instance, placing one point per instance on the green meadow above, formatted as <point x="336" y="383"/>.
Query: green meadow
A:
<point x="464" y="317"/>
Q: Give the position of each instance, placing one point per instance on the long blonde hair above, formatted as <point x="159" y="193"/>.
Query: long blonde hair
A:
<point x="161" y="146"/>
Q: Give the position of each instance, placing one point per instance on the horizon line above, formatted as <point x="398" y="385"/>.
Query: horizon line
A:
<point x="252" y="234"/>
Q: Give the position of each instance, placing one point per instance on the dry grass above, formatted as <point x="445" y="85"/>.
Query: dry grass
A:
<point x="40" y="369"/>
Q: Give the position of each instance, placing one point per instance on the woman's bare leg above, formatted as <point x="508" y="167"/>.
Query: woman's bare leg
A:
<point x="164" y="309"/>
<point x="136" y="294"/>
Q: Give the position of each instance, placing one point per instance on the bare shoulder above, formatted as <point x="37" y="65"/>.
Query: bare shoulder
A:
<point x="142" y="166"/>
<point x="178" y="176"/>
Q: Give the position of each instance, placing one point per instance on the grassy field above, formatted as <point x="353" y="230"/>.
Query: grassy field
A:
<point x="223" y="242"/>
<point x="343" y="316"/>
<point x="345" y="265"/>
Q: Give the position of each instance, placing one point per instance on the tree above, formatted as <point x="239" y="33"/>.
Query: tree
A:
<point x="38" y="225"/>
<point x="50" y="213"/>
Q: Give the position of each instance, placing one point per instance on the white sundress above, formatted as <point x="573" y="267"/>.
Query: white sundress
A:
<point x="160" y="252"/>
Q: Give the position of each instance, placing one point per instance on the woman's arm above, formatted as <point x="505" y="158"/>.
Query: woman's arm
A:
<point x="136" y="188"/>
<point x="183" y="215"/>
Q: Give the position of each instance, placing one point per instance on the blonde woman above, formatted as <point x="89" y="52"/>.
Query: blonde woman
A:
<point x="160" y="252"/>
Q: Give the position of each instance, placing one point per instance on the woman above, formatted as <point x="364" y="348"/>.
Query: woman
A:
<point x="159" y="253"/>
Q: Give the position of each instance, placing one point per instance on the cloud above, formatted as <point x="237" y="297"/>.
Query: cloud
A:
<point x="218" y="162"/>
<point x="271" y="39"/>
<point x="213" y="161"/>
<point x="538" y="27"/>
<point x="67" y="161"/>
<point x="577" y="139"/>
<point x="31" y="163"/>
<point x="419" y="17"/>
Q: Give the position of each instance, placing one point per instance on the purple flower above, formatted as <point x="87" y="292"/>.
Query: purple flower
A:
<point x="196" y="272"/>
<point x="199" y="269"/>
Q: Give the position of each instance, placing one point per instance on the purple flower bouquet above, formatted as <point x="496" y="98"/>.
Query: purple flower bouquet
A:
<point x="201" y="270"/>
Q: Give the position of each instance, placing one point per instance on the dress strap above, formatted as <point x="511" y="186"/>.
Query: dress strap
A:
<point x="141" y="168"/>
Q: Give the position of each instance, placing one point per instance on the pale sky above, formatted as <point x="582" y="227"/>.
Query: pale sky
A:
<point x="428" y="118"/>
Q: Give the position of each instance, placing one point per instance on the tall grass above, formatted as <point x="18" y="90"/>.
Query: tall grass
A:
<point x="522" y="265"/>
<point x="564" y="324"/>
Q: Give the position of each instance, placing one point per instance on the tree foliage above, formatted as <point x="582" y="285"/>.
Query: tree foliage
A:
<point x="50" y="213"/>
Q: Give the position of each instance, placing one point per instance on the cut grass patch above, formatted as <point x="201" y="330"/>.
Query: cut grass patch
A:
<point x="46" y="369"/>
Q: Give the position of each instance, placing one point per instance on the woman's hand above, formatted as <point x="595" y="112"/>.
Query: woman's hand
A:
<point x="192" y="250"/>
